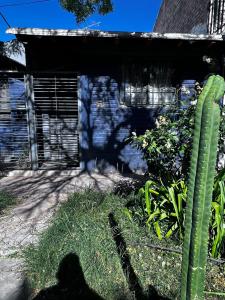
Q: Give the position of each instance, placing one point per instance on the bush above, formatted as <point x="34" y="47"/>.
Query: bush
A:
<point x="166" y="148"/>
<point x="161" y="207"/>
<point x="125" y="187"/>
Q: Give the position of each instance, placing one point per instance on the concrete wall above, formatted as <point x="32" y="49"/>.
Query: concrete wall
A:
<point x="186" y="16"/>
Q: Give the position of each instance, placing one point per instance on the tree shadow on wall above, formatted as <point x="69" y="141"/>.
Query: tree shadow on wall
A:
<point x="106" y="125"/>
<point x="71" y="283"/>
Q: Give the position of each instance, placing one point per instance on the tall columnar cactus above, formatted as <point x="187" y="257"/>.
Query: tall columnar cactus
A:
<point x="202" y="171"/>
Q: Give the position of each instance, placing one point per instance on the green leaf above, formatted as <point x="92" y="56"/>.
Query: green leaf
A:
<point x="128" y="213"/>
<point x="148" y="197"/>
<point x="158" y="230"/>
<point x="153" y="215"/>
<point x="173" y="200"/>
<point x="171" y="230"/>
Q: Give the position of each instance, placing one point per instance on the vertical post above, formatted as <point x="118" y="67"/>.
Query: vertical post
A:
<point x="210" y="17"/>
<point x="31" y="121"/>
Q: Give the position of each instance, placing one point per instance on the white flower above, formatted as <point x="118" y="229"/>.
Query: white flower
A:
<point x="185" y="90"/>
<point x="160" y="121"/>
<point x="193" y="102"/>
<point x="144" y="144"/>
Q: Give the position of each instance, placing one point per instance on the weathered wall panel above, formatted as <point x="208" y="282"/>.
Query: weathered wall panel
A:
<point x="186" y="16"/>
<point x="105" y="126"/>
<point x="14" y="146"/>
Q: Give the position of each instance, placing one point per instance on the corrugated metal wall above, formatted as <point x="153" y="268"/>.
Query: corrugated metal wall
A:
<point x="14" y="146"/>
<point x="55" y="123"/>
<point x="56" y="113"/>
<point x="106" y="121"/>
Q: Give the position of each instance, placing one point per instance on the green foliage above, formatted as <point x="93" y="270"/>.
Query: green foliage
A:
<point x="84" y="8"/>
<point x="166" y="147"/>
<point x="200" y="187"/>
<point x="221" y="146"/>
<point x="162" y="207"/>
<point x="81" y="226"/>
<point x="6" y="200"/>
<point x="217" y="225"/>
<point x="125" y="187"/>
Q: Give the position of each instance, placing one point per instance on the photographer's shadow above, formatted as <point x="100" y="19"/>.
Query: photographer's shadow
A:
<point x="71" y="283"/>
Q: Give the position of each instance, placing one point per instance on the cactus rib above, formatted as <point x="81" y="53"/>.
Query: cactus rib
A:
<point x="200" y="185"/>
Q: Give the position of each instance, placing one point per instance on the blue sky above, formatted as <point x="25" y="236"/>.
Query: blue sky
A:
<point x="128" y="15"/>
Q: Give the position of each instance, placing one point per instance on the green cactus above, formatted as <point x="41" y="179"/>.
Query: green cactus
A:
<point x="202" y="171"/>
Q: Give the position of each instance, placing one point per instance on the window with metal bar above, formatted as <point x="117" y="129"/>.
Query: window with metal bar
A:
<point x="147" y="86"/>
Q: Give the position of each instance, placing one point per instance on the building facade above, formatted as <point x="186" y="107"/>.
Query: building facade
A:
<point x="191" y="16"/>
<point x="83" y="93"/>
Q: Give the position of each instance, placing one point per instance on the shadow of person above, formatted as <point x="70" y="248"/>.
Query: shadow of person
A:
<point x="71" y="283"/>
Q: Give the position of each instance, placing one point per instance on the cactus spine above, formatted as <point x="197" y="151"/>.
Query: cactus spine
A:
<point x="200" y="185"/>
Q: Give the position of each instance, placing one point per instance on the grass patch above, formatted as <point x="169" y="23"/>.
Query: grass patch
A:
<point x="112" y="251"/>
<point x="6" y="200"/>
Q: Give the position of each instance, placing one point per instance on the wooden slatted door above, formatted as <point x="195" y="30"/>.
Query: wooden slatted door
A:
<point x="56" y="110"/>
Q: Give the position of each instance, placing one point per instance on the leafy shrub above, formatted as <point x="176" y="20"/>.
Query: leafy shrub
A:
<point x="166" y="148"/>
<point x="161" y="207"/>
<point x="126" y="187"/>
<point x="217" y="224"/>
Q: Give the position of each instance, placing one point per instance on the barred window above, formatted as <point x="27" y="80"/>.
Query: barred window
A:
<point x="146" y="86"/>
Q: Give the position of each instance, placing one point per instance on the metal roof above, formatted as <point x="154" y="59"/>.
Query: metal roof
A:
<point x="113" y="34"/>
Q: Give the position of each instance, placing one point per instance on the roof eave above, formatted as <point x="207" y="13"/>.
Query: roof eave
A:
<point x="112" y="34"/>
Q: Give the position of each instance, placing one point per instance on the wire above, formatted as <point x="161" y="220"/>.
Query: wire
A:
<point x="5" y="20"/>
<point x="23" y="3"/>
<point x="91" y="25"/>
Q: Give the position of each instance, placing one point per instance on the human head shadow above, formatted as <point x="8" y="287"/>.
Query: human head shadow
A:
<point x="132" y="279"/>
<point x="71" y="283"/>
